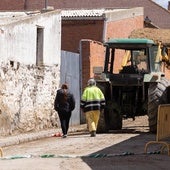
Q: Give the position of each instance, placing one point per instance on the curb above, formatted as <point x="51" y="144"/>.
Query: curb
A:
<point x="15" y="140"/>
<point x="27" y="137"/>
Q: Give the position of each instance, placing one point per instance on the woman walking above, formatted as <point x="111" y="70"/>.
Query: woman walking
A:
<point x="64" y="105"/>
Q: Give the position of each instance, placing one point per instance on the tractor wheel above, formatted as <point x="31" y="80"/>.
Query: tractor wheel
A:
<point x="157" y="94"/>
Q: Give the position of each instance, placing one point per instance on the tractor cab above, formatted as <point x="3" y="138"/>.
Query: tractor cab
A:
<point x="133" y="56"/>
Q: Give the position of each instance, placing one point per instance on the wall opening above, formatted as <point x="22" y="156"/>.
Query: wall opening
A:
<point x="39" y="46"/>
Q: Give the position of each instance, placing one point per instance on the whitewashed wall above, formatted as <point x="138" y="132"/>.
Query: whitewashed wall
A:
<point x="18" y="39"/>
<point x="27" y="91"/>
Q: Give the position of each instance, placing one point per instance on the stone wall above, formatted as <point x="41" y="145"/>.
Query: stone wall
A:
<point x="27" y="95"/>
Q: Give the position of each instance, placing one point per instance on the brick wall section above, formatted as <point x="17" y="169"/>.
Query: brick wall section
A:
<point x="11" y="4"/>
<point x="74" y="31"/>
<point x="25" y="4"/>
<point x="35" y="4"/>
<point x="123" y="28"/>
<point x="92" y="56"/>
<point x="97" y="56"/>
<point x="85" y="49"/>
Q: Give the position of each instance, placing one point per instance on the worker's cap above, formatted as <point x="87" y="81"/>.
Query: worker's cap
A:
<point x="91" y="82"/>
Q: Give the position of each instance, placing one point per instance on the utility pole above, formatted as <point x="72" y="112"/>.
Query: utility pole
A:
<point x="25" y="4"/>
<point x="47" y="8"/>
<point x="46" y="4"/>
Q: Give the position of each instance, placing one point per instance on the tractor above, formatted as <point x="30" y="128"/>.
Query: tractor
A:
<point x="133" y="81"/>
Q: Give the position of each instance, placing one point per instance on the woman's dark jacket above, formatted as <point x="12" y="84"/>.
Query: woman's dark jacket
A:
<point x="66" y="106"/>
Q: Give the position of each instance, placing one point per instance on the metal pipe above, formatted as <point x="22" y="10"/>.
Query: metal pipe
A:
<point x="25" y="4"/>
<point x="46" y="4"/>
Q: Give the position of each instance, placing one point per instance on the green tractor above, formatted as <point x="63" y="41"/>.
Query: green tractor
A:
<point x="136" y="85"/>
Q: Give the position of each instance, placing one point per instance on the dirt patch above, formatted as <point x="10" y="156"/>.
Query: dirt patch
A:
<point x="154" y="34"/>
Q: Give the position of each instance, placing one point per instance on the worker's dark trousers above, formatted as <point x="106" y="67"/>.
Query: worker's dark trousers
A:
<point x="64" y="120"/>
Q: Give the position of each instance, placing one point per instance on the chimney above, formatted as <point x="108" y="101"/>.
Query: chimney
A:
<point x="169" y="5"/>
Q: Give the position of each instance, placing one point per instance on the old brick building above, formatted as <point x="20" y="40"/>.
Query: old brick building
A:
<point x="98" y="25"/>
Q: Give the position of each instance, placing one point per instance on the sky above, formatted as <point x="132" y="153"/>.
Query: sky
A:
<point x="163" y="3"/>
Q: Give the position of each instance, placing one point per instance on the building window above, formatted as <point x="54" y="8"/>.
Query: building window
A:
<point x="39" y="46"/>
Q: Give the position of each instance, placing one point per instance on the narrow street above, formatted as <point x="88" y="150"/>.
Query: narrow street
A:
<point x="117" y="150"/>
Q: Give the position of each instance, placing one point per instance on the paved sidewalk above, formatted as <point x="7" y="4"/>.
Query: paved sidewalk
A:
<point x="31" y="136"/>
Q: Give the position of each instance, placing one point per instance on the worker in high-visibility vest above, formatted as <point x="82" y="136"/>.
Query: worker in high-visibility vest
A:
<point x="92" y="102"/>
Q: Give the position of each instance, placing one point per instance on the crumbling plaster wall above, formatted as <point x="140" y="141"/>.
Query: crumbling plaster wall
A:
<point x="27" y="91"/>
<point x="27" y="95"/>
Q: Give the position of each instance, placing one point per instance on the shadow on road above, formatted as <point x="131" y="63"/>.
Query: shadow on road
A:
<point x="128" y="154"/>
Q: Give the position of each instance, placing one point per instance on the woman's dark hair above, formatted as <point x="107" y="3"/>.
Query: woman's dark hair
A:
<point x="64" y="87"/>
